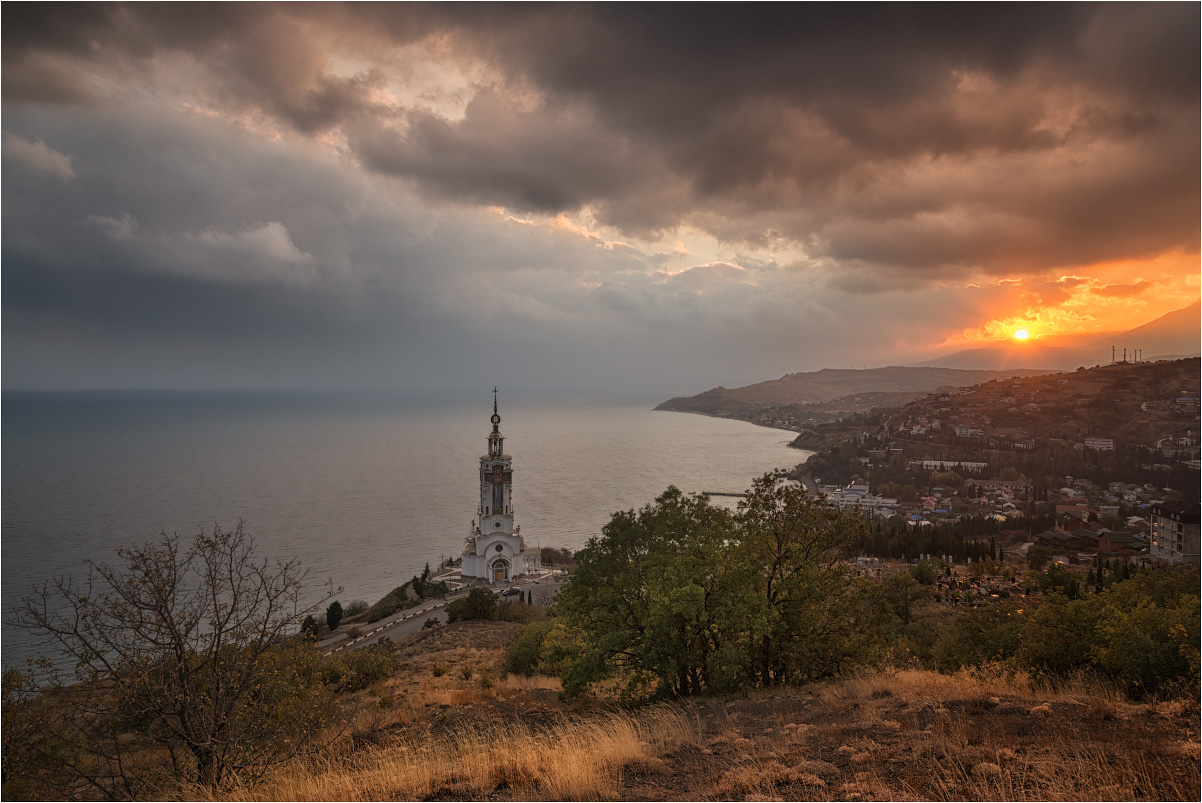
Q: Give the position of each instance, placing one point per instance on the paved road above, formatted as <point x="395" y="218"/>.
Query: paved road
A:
<point x="412" y="620"/>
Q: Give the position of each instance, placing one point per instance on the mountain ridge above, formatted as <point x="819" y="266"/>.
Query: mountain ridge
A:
<point x="829" y="384"/>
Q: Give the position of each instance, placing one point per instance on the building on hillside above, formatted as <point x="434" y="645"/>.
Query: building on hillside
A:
<point x="495" y="550"/>
<point x="1054" y="538"/>
<point x="998" y="485"/>
<point x="1100" y="444"/>
<point x="1175" y="532"/>
<point x="950" y="465"/>
<point x="1119" y="542"/>
<point x="1080" y="511"/>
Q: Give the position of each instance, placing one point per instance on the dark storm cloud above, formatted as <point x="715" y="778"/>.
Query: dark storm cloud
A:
<point x="748" y="121"/>
<point x="261" y="185"/>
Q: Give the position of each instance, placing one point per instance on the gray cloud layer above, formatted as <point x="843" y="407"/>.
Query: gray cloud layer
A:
<point x="240" y="174"/>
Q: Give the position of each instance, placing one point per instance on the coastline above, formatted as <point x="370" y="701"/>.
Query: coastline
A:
<point x="797" y="472"/>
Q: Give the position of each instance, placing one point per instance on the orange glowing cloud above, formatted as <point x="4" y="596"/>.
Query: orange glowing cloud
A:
<point x="1108" y="297"/>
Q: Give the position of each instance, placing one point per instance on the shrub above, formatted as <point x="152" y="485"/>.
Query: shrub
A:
<point x="511" y="610"/>
<point x="355" y="607"/>
<point x="523" y="654"/>
<point x="1150" y="631"/>
<point x="353" y="670"/>
<point x="431" y="622"/>
<point x="1038" y="556"/>
<point x="480" y="603"/>
<point x="979" y="635"/>
<point x="438" y="669"/>
<point x="924" y="572"/>
<point x="334" y="615"/>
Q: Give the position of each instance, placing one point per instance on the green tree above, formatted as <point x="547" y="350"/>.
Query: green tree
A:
<point x="789" y="554"/>
<point x="1150" y="631"/>
<point x="901" y="592"/>
<point x="651" y="599"/>
<point x="681" y="597"/>
<point x="923" y="572"/>
<point x="334" y="615"/>
<point x="1039" y="556"/>
<point x="180" y="670"/>
<point x="480" y="603"/>
<point x="1060" y="634"/>
<point x="524" y="651"/>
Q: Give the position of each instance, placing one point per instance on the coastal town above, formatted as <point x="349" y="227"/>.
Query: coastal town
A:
<point x="1098" y="462"/>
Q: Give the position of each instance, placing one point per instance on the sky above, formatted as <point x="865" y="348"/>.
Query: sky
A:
<point x="582" y="199"/>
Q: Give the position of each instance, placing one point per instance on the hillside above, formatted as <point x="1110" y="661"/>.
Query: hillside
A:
<point x="1144" y="417"/>
<point x="830" y="384"/>
<point x="438" y="730"/>
<point x="1176" y="334"/>
<point x="1133" y="404"/>
<point x="1018" y="355"/>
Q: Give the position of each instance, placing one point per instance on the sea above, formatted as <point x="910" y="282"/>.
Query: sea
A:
<point x="363" y="490"/>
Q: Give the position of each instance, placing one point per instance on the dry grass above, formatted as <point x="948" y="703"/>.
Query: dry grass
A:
<point x="968" y="684"/>
<point x="882" y="735"/>
<point x="1061" y="772"/>
<point x="568" y="761"/>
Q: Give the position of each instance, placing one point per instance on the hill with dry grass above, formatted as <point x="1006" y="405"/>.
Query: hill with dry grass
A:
<point x="447" y="726"/>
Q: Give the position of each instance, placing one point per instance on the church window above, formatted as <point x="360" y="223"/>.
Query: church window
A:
<point x="498" y="496"/>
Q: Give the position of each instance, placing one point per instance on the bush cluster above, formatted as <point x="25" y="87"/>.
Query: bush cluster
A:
<point x="1142" y="633"/>
<point x="480" y="603"/>
<point x="353" y="670"/>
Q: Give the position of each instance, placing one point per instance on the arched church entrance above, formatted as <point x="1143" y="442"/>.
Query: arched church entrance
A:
<point x="500" y="570"/>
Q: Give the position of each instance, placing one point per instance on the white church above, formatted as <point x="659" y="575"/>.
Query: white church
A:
<point x="495" y="550"/>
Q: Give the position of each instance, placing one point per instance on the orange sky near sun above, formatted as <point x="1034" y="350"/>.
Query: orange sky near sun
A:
<point x="1108" y="297"/>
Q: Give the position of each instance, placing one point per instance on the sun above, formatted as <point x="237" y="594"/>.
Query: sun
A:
<point x="1021" y="334"/>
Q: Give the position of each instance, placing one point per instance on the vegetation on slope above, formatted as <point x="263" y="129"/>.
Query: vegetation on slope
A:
<point x="789" y="675"/>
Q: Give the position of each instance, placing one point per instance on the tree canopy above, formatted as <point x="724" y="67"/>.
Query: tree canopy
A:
<point x="682" y="596"/>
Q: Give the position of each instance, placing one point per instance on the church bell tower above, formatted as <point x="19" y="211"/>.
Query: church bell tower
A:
<point x="496" y="481"/>
<point x="495" y="550"/>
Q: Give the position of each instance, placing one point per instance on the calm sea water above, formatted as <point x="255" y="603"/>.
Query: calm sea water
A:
<point x="363" y="491"/>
